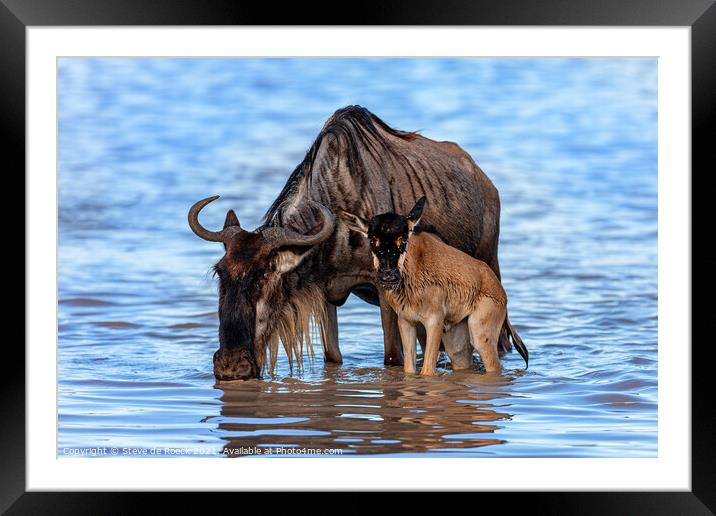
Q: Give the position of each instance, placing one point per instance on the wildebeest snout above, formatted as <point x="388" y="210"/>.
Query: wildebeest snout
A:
<point x="234" y="364"/>
<point x="389" y="276"/>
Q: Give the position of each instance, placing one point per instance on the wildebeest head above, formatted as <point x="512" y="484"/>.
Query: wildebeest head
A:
<point x="251" y="286"/>
<point x="388" y="235"/>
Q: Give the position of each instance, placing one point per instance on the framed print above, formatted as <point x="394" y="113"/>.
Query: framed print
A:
<point x="262" y="252"/>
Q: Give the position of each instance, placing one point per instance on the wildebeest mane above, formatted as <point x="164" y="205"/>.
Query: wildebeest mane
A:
<point x="355" y="129"/>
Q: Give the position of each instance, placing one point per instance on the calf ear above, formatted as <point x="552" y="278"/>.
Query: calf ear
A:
<point x="353" y="222"/>
<point x="231" y="219"/>
<point x="416" y="213"/>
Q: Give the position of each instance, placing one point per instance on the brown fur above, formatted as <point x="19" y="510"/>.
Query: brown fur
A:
<point x="429" y="265"/>
<point x="440" y="287"/>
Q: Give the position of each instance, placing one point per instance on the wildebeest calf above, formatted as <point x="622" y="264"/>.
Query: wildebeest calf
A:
<point x="429" y="282"/>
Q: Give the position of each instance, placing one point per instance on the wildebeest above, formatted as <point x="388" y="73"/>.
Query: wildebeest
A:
<point x="302" y="263"/>
<point x="430" y="283"/>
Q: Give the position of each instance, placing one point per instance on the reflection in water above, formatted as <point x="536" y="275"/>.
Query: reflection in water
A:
<point x="571" y="144"/>
<point x="393" y="413"/>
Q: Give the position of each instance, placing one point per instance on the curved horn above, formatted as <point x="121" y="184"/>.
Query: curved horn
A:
<point x="282" y="236"/>
<point x="201" y="231"/>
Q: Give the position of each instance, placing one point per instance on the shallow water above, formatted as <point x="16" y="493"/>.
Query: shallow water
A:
<point x="571" y="146"/>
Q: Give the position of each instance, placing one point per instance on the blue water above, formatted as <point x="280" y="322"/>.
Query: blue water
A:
<point x="571" y="144"/>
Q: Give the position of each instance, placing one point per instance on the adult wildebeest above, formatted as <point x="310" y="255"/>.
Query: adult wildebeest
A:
<point x="302" y="262"/>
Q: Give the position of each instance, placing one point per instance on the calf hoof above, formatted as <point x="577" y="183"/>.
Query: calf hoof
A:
<point x="428" y="372"/>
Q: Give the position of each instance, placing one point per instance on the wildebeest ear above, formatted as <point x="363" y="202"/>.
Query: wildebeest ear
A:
<point x="287" y="260"/>
<point x="353" y="222"/>
<point x="417" y="212"/>
<point x="231" y="219"/>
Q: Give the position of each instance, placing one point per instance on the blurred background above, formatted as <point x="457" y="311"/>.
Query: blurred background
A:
<point x="571" y="145"/>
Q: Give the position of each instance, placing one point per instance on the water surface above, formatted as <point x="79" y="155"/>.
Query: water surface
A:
<point x="570" y="144"/>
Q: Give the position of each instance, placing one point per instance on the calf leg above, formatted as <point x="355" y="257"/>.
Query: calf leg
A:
<point x="434" y="331"/>
<point x="457" y="345"/>
<point x="392" y="347"/>
<point x="423" y="339"/>
<point x="329" y="335"/>
<point x="407" y="334"/>
<point x="485" y="325"/>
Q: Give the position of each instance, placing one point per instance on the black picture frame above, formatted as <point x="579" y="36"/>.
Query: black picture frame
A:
<point x="17" y="15"/>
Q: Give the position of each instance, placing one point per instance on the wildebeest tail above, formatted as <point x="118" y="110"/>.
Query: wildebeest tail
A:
<point x="521" y="348"/>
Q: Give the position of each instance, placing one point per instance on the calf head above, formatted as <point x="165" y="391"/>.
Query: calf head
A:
<point x="254" y="285"/>
<point x="388" y="235"/>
